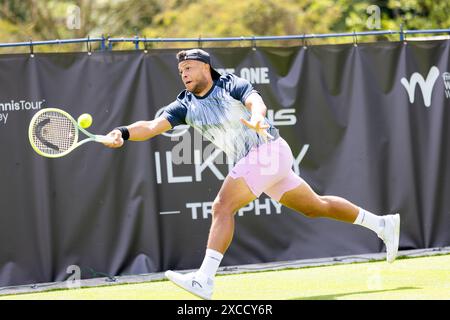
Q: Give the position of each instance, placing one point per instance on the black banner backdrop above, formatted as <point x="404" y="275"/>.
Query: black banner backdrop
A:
<point x="366" y="122"/>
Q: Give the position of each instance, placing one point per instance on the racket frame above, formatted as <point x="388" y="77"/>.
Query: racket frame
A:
<point x="91" y="137"/>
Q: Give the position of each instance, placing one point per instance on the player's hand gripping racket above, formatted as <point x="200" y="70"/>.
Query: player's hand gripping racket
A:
<point x="53" y="133"/>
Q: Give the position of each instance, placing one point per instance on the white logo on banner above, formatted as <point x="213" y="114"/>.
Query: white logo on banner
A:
<point x="426" y="86"/>
<point x="16" y="106"/>
<point x="255" y="75"/>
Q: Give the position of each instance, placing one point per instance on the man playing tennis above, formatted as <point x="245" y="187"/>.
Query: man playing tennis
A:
<point x="231" y="114"/>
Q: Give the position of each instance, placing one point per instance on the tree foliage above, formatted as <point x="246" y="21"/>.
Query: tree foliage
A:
<point x="51" y="19"/>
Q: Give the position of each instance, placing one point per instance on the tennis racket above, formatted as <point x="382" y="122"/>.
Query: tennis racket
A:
<point x="53" y="133"/>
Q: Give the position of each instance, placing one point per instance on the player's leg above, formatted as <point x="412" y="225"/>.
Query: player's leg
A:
<point x="304" y="200"/>
<point x="233" y="195"/>
<point x="249" y="177"/>
<point x="293" y="192"/>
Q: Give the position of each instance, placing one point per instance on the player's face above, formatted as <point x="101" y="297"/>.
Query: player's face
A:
<point x="194" y="75"/>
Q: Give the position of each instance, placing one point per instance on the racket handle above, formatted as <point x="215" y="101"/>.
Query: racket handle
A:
<point x="104" y="139"/>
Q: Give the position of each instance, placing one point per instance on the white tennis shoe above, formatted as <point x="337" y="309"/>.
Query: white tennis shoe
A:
<point x="391" y="235"/>
<point x="194" y="282"/>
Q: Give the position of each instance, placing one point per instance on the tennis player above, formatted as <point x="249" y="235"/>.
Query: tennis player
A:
<point x="229" y="112"/>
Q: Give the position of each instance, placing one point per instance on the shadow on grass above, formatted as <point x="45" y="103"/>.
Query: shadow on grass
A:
<point x="335" y="296"/>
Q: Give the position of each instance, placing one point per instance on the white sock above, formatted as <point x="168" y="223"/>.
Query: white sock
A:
<point x="211" y="263"/>
<point x="370" y="221"/>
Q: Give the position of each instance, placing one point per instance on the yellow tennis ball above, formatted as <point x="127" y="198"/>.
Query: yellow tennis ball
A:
<point x="85" y="120"/>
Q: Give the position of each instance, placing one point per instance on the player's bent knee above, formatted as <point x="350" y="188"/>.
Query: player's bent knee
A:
<point x="221" y="209"/>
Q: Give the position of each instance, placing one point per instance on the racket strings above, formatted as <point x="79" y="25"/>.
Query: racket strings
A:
<point x="53" y="133"/>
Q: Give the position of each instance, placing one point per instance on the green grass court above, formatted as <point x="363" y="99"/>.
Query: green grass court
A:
<point x="412" y="278"/>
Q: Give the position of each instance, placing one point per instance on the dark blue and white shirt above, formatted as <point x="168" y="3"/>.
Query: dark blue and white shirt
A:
<point x="217" y="115"/>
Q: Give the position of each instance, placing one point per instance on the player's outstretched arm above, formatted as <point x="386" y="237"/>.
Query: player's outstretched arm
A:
<point x="140" y="131"/>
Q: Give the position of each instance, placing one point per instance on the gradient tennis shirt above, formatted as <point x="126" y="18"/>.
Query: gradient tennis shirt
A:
<point x="217" y="115"/>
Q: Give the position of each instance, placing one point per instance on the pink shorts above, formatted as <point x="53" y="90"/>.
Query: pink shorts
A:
<point x="268" y="169"/>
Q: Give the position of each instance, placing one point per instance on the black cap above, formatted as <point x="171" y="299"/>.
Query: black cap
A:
<point x="199" y="55"/>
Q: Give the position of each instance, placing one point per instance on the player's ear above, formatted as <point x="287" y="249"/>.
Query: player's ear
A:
<point x="206" y="69"/>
